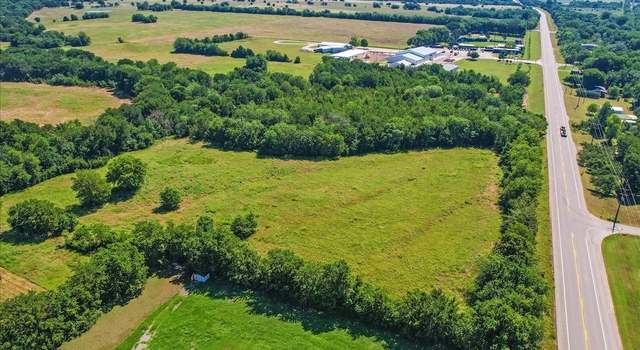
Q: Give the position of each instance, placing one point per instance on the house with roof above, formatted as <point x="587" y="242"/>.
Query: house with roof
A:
<point x="350" y="54"/>
<point x="331" y="47"/>
<point x="413" y="57"/>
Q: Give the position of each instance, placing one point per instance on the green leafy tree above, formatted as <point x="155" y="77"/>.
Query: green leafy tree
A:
<point x="126" y="173"/>
<point x="244" y="226"/>
<point x="36" y="218"/>
<point x="593" y="108"/>
<point x="592" y="77"/>
<point x="519" y="77"/>
<point x="91" y="189"/>
<point x="364" y="42"/>
<point x="256" y="63"/>
<point x="88" y="238"/>
<point x="297" y="60"/>
<point x="170" y="198"/>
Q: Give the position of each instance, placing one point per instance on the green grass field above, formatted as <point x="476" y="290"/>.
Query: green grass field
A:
<point x="224" y="317"/>
<point x="532" y="48"/>
<point x="147" y="41"/>
<point x="502" y="70"/>
<point x="116" y="325"/>
<point x="622" y="260"/>
<point x="45" y="104"/>
<point x="406" y="220"/>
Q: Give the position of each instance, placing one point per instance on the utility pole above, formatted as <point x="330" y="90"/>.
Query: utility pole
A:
<point x="615" y="219"/>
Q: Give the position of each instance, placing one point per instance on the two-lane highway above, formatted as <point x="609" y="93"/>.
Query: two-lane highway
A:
<point x="585" y="318"/>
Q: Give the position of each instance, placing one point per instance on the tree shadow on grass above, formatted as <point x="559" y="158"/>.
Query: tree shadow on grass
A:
<point x="118" y="195"/>
<point x="311" y="320"/>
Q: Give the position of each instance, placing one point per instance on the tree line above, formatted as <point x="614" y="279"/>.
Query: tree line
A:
<point x="516" y="27"/>
<point x="156" y="7"/>
<point x="208" y="46"/>
<point x="141" y="18"/>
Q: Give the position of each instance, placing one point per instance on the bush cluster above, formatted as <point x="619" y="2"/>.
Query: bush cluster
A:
<point x="95" y="15"/>
<point x="37" y="218"/>
<point x="45" y="320"/>
<point x="141" y="18"/>
<point x="208" y="46"/>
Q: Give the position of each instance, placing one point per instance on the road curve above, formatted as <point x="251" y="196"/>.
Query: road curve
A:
<point x="585" y="317"/>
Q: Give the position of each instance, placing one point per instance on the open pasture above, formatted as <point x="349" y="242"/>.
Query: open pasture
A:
<point x="45" y="104"/>
<point x="219" y="316"/>
<point x="147" y="41"/>
<point x="402" y="221"/>
<point x="622" y="259"/>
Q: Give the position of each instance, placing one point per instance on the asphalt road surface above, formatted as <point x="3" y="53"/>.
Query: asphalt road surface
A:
<point x="585" y="318"/>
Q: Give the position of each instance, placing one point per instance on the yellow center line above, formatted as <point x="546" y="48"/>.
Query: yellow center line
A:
<point x="575" y="261"/>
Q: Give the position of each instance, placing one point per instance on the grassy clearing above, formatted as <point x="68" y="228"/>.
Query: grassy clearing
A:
<point x="532" y="49"/>
<point x="147" y="41"/>
<point x="622" y="260"/>
<point x="415" y="219"/>
<point x="116" y="325"/>
<point x="603" y="207"/>
<point x="45" y="104"/>
<point x="46" y="263"/>
<point x="502" y="70"/>
<point x="11" y="285"/>
<point x="224" y="317"/>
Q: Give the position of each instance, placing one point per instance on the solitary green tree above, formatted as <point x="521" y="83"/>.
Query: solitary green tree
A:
<point x="170" y="199"/>
<point x="126" y="173"/>
<point x="34" y="218"/>
<point x="91" y="189"/>
<point x="244" y="226"/>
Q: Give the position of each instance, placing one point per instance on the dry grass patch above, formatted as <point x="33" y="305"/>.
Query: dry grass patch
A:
<point x="45" y="104"/>
<point x="12" y="285"/>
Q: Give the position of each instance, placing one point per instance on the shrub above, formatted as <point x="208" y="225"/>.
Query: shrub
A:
<point x="244" y="226"/>
<point x="297" y="60"/>
<point x="88" y="238"/>
<point x="170" y="199"/>
<point x="126" y="173"/>
<point x="91" y="189"/>
<point x="35" y="218"/>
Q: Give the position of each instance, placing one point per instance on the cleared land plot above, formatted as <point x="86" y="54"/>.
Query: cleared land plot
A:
<point x="11" y="285"/>
<point x="532" y="48"/>
<point x="224" y="317"/>
<point x="603" y="207"/>
<point x="502" y="71"/>
<point x="406" y="220"/>
<point x="45" y="104"/>
<point x="622" y="260"/>
<point x="45" y="263"/>
<point x="113" y="327"/>
<point x="147" y="41"/>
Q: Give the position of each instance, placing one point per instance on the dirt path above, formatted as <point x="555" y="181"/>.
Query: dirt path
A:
<point x="114" y="327"/>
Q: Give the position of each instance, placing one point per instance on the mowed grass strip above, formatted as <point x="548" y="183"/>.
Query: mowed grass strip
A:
<point x="532" y="46"/>
<point x="155" y="41"/>
<point x="46" y="104"/>
<point x="224" y="317"/>
<point x="116" y="325"/>
<point x="622" y="260"/>
<point x="402" y="221"/>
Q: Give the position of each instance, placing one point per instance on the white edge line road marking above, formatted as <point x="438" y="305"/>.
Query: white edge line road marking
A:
<point x="564" y="284"/>
<point x="593" y="282"/>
